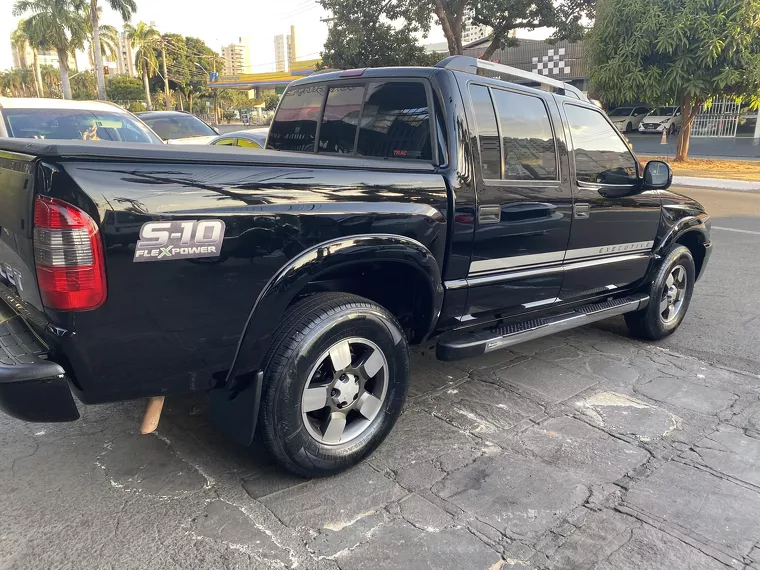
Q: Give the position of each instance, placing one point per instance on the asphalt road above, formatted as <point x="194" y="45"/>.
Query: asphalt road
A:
<point x="723" y="322"/>
<point x="581" y="450"/>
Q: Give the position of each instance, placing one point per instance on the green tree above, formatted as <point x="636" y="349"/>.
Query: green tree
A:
<point x="125" y="8"/>
<point x="123" y="88"/>
<point x="20" y="38"/>
<point x="145" y="39"/>
<point x="505" y="16"/>
<point x="271" y="100"/>
<point x="62" y="24"/>
<point x="683" y="51"/>
<point x="84" y="86"/>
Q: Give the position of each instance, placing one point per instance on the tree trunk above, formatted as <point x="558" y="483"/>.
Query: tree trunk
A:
<point x="190" y="102"/>
<point x="96" y="48"/>
<point x="37" y="74"/>
<point x="448" y="23"/>
<point x="147" y="88"/>
<point x="179" y="96"/>
<point x="63" y="67"/>
<point x="166" y="75"/>
<point x="496" y="38"/>
<point x="689" y="110"/>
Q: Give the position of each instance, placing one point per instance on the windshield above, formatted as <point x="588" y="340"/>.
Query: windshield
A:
<point x="663" y="112"/>
<point x="621" y="112"/>
<point x="178" y="127"/>
<point x="76" y="124"/>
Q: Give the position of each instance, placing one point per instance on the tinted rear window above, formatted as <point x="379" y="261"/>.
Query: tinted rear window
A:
<point x="488" y="132"/>
<point x="295" y="127"/>
<point x="527" y="139"/>
<point x="178" y="126"/>
<point x="395" y="122"/>
<point x="340" y="119"/>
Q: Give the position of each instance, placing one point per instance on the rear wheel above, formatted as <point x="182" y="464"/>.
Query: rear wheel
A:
<point x="669" y="297"/>
<point x="335" y="380"/>
<point x="629" y="127"/>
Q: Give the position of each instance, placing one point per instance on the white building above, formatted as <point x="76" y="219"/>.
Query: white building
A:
<point x="125" y="61"/>
<point x="285" y="50"/>
<point x="23" y="59"/>
<point x="472" y="33"/>
<point x="237" y="57"/>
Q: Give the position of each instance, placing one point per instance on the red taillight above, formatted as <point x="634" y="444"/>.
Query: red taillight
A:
<point x="69" y="256"/>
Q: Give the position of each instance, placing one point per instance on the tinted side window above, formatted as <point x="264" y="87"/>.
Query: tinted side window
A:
<point x="488" y="133"/>
<point x="527" y="137"/>
<point x="295" y="126"/>
<point x="600" y="154"/>
<point x="395" y="122"/>
<point x="340" y="119"/>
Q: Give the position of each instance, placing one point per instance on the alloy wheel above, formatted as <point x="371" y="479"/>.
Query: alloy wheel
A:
<point x="345" y="391"/>
<point x="673" y="294"/>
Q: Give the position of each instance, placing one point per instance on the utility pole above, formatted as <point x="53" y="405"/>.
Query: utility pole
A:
<point x="166" y="75"/>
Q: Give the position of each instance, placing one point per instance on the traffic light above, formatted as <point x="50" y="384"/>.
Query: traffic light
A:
<point x="105" y="70"/>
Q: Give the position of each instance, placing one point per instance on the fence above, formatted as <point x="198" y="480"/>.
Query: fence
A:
<point x="718" y="120"/>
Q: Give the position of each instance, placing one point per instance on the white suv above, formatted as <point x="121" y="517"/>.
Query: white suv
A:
<point x="661" y="119"/>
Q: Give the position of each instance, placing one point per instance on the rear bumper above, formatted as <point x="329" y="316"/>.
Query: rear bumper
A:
<point x="32" y="388"/>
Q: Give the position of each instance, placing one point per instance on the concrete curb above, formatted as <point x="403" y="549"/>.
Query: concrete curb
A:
<point x="717" y="183"/>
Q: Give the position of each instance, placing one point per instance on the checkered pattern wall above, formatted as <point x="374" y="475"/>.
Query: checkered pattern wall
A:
<point x="554" y="63"/>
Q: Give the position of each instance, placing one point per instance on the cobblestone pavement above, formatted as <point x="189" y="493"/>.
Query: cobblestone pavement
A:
<point x="585" y="450"/>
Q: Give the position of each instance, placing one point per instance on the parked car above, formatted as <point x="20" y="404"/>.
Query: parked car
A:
<point x="249" y="138"/>
<point x="462" y="210"/>
<point x="662" y="119"/>
<point x="627" y="119"/>
<point x="177" y="127"/>
<point x="61" y="119"/>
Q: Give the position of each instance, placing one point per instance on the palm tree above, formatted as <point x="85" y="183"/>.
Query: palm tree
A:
<point x="145" y="39"/>
<point x="51" y="79"/>
<point x="123" y="7"/>
<point x="61" y="23"/>
<point x="20" y="40"/>
<point x="109" y="43"/>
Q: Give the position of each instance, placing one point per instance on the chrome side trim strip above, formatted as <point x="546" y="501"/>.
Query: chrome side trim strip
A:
<point x="609" y="249"/>
<point x="512" y="275"/>
<point x="515" y="261"/>
<point x="530" y="261"/>
<point x="605" y="260"/>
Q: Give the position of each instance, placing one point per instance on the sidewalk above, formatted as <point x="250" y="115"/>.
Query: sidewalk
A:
<point x="717" y="183"/>
<point x="743" y="148"/>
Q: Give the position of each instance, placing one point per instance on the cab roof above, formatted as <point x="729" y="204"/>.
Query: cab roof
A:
<point x="40" y="103"/>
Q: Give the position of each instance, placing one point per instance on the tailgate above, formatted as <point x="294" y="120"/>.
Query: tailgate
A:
<point x="17" y="269"/>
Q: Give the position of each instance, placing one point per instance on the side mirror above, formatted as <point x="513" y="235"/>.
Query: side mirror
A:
<point x="657" y="175"/>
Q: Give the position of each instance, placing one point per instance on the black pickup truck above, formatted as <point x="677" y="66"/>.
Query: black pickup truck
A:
<point x="396" y="207"/>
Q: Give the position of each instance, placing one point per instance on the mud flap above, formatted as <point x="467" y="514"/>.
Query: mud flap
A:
<point x="236" y="412"/>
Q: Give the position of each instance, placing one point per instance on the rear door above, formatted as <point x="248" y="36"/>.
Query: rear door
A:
<point x="524" y="201"/>
<point x="614" y="224"/>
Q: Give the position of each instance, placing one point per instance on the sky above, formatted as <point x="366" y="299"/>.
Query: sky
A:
<point x="217" y="23"/>
<point x="222" y="22"/>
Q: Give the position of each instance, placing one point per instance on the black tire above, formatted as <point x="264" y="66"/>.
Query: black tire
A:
<point x="306" y="331"/>
<point x="672" y="130"/>
<point x="629" y="127"/>
<point x="650" y="323"/>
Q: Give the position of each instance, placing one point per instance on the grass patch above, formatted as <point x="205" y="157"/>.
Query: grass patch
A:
<point x="713" y="168"/>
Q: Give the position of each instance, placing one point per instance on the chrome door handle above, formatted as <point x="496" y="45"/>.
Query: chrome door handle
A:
<point x="581" y="211"/>
<point x="489" y="214"/>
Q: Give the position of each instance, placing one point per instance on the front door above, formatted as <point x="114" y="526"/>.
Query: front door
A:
<point x="614" y="224"/>
<point x="524" y="201"/>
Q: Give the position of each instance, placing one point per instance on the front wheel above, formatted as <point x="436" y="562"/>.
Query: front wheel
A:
<point x="629" y="127"/>
<point x="672" y="130"/>
<point x="335" y="379"/>
<point x="669" y="297"/>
